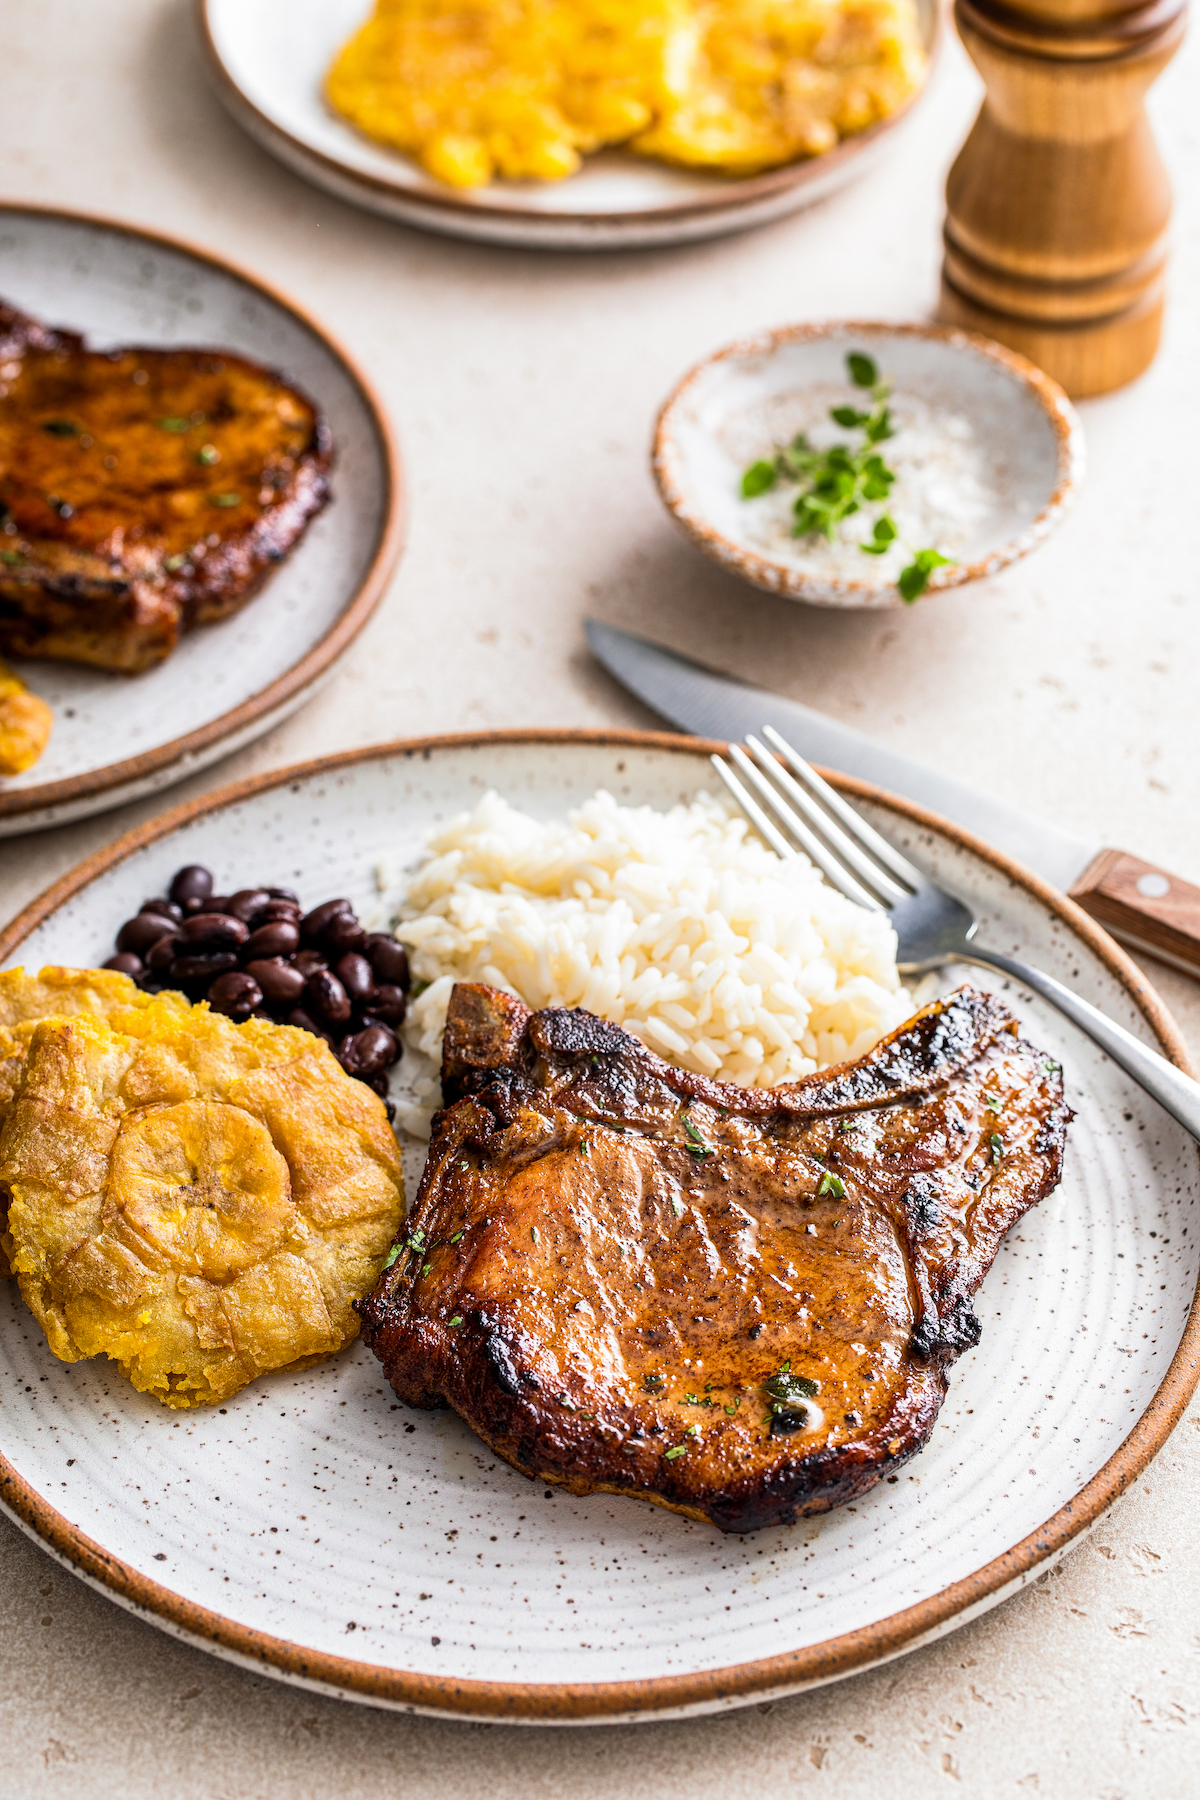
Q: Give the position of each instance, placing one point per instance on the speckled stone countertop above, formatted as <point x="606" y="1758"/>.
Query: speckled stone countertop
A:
<point x="524" y="387"/>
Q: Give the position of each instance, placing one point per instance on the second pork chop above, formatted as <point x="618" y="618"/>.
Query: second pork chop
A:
<point x="739" y="1303"/>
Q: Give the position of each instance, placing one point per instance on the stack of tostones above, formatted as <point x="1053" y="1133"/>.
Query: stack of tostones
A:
<point x="198" y="1200"/>
<point x="523" y="88"/>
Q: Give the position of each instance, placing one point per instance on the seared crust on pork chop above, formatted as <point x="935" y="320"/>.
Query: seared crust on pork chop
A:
<point x="738" y="1303"/>
<point x="142" y="492"/>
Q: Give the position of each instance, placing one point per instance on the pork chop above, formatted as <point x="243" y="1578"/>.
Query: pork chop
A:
<point x="142" y="492"/>
<point x="738" y="1303"/>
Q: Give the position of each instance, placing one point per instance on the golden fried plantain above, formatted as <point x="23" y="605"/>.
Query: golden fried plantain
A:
<point x="198" y="1200"/>
<point x="25" y="724"/>
<point x="59" y="993"/>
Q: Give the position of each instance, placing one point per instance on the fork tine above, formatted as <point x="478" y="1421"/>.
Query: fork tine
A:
<point x="811" y="844"/>
<point x="868" y="872"/>
<point x="854" y="822"/>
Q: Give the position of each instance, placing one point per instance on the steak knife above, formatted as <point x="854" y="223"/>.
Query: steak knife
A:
<point x="1144" y="906"/>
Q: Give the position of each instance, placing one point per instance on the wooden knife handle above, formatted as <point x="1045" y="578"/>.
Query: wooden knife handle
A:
<point x="1144" y="906"/>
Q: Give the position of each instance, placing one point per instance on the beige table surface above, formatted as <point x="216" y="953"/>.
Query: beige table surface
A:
<point x="523" y="387"/>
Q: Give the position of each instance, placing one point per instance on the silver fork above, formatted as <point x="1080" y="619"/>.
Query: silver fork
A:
<point x="933" y="927"/>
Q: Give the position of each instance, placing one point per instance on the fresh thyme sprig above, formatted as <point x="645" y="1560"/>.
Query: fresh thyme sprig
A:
<point x="836" y="482"/>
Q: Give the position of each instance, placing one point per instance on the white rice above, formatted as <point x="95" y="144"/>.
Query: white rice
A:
<point x="682" y="927"/>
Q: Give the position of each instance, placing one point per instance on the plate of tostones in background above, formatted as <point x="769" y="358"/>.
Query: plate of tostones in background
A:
<point x="270" y="60"/>
<point x="312" y="1527"/>
<point x="117" y="736"/>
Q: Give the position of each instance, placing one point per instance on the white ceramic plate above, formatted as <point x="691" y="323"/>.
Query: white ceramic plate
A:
<point x="1022" y="455"/>
<point x="315" y="1529"/>
<point x="269" y="59"/>
<point x="118" y="736"/>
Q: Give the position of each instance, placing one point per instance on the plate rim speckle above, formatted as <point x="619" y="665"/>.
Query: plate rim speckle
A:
<point x="669" y="1695"/>
<point x="50" y="803"/>
<point x="738" y="205"/>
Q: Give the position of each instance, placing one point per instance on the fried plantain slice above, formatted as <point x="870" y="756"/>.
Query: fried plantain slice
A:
<point x="59" y="993"/>
<point x="198" y="1200"/>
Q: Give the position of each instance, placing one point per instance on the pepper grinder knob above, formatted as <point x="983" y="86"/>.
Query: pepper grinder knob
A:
<point x="1058" y="204"/>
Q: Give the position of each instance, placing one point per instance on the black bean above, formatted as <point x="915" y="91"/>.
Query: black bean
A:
<point x="388" y="959"/>
<point x="343" y="933"/>
<point x="308" y="962"/>
<point x="356" y="976"/>
<point x="284" y="894"/>
<point x="161" y="954"/>
<point x="279" y="909"/>
<point x="279" y="938"/>
<point x="167" y="908"/>
<point x="215" y="930"/>
<point x="314" y="923"/>
<point x="281" y="986"/>
<point x="306" y="1022"/>
<point x="198" y="966"/>
<point x="126" y="963"/>
<point x="247" y="903"/>
<point x="327" y="997"/>
<point x="368" y="1052"/>
<point x="236" y="994"/>
<point x="138" y="934"/>
<point x="193" y="883"/>
<point x="388" y="1004"/>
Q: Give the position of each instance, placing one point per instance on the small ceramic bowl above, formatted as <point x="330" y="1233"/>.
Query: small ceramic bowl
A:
<point x="987" y="451"/>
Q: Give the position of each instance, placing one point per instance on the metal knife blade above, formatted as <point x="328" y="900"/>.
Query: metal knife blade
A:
<point x="710" y="705"/>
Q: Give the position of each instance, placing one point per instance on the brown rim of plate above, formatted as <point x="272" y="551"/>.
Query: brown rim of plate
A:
<point x="289" y="686"/>
<point x="782" y="578"/>
<point x="740" y="191"/>
<point x="581" y="1702"/>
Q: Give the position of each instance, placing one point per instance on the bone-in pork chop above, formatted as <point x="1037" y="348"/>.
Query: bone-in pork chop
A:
<point x="142" y="492"/>
<point x="738" y="1303"/>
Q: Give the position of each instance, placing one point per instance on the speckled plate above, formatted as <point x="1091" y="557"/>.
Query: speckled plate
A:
<point x="318" y="1531"/>
<point x="1019" y="469"/>
<point x="269" y="58"/>
<point x="119" y="736"/>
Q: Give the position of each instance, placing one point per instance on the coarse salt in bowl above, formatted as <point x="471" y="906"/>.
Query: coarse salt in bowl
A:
<point x="987" y="453"/>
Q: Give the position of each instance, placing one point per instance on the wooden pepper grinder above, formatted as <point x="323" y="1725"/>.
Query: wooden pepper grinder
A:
<point x="1057" y="206"/>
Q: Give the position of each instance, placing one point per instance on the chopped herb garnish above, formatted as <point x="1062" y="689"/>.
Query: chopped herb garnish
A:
<point x="696" y="1145"/>
<point x="993" y="1102"/>
<point x="464" y="1164"/>
<point x="457" y="1319"/>
<point x="174" y="424"/>
<point x="787" y="1390"/>
<point x="174" y="563"/>
<point x="837" y="482"/>
<point x="758" y="478"/>
<point x="863" y="372"/>
<point x="11" y="557"/>
<point x="692" y="1431"/>
<point x="416" y="1238"/>
<point x="208" y="454"/>
<point x="732" y="1409"/>
<point x="227" y="499"/>
<point x="533" y="1232"/>
<point x="564" y="1403"/>
<point x="832" y="1184"/>
<point x="997" y="1143"/>
<point x="425" y="1270"/>
<point x="883" y="536"/>
<point x="679" y="1450"/>
<point x="61" y="427"/>
<point x="392" y="1254"/>
<point x="914" y="579"/>
<point x="677" y="1207"/>
<point x="457" y="1235"/>
<point x="847" y="1125"/>
<point x="652" y="1382"/>
<point x="1049" y="1066"/>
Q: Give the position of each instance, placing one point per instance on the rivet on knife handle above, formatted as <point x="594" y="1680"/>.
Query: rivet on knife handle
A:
<point x="1144" y="906"/>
